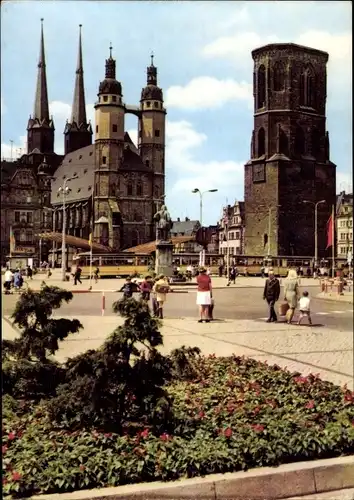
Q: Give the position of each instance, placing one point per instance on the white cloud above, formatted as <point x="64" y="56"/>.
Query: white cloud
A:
<point x="205" y="92"/>
<point x="133" y="134"/>
<point x="237" y="47"/>
<point x="181" y="156"/>
<point x="344" y="182"/>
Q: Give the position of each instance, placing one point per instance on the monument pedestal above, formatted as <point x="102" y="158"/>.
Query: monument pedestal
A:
<point x="164" y="256"/>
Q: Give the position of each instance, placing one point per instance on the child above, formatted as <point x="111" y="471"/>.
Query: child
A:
<point x="304" y="306"/>
<point x="145" y="288"/>
<point x="128" y="288"/>
<point x="161" y="288"/>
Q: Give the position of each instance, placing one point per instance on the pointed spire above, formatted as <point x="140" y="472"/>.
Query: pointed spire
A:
<point x="151" y="72"/>
<point x="110" y="65"/>
<point x="41" y="104"/>
<point x="78" y="114"/>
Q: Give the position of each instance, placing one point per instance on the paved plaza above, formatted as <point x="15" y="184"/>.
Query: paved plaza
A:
<point x="239" y="327"/>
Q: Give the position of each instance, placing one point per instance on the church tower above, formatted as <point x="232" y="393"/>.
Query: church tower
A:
<point x="151" y="133"/>
<point x="290" y="168"/>
<point x="40" y="128"/>
<point x="78" y="133"/>
<point x="109" y="148"/>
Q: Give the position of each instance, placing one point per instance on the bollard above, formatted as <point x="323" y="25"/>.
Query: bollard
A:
<point x="340" y="287"/>
<point x="323" y="286"/>
<point x="103" y="303"/>
<point x="326" y="286"/>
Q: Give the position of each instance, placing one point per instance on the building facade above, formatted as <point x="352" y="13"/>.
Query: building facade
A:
<point x="290" y="153"/>
<point x="110" y="186"/>
<point x="232" y="230"/>
<point x="344" y="226"/>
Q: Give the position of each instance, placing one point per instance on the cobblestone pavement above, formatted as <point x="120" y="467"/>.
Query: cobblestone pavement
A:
<point x="346" y="494"/>
<point x="319" y="349"/>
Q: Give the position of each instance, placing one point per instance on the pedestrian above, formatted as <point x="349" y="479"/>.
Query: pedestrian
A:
<point x="96" y="274"/>
<point x="161" y="289"/>
<point x="29" y="272"/>
<point x="154" y="303"/>
<point x="221" y="270"/>
<point x="145" y="288"/>
<point x="8" y="278"/>
<point x="204" y="295"/>
<point x="232" y="276"/>
<point x="291" y="293"/>
<point x="128" y="288"/>
<point x="304" y="306"/>
<point x="271" y="294"/>
<point x="18" y="280"/>
<point x="77" y="275"/>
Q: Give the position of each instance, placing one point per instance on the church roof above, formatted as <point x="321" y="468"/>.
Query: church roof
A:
<point x="81" y="164"/>
<point x="8" y="170"/>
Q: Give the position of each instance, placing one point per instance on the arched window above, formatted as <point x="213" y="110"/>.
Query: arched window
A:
<point x="261" y="142"/>
<point x="278" y="76"/>
<point x="283" y="142"/>
<point x="261" y="87"/>
<point x="315" y="142"/>
<point x="265" y="239"/>
<point x="156" y="192"/>
<point x="302" y="89"/>
<point x="139" y="189"/>
<point x="299" y="141"/>
<point x="310" y="88"/>
<point x="129" y="188"/>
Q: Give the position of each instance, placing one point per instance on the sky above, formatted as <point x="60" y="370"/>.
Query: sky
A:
<point x="203" y="54"/>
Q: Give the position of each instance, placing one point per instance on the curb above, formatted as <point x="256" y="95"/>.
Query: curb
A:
<point x="331" y="298"/>
<point x="268" y="483"/>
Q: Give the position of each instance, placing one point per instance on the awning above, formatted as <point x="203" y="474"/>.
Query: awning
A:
<point x="74" y="241"/>
<point x="150" y="247"/>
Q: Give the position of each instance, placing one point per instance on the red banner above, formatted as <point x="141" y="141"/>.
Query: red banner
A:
<point x="330" y="231"/>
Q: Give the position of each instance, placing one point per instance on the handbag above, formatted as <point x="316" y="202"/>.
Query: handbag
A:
<point x="283" y="308"/>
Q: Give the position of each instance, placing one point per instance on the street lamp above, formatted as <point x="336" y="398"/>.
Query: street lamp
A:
<point x="64" y="189"/>
<point x="316" y="235"/>
<point x="194" y="191"/>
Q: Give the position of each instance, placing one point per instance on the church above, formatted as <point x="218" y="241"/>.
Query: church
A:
<point x="111" y="188"/>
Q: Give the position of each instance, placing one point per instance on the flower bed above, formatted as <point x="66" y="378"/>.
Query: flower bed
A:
<point x="237" y="414"/>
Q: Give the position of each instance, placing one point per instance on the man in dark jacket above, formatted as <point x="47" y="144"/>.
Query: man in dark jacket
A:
<point x="271" y="294"/>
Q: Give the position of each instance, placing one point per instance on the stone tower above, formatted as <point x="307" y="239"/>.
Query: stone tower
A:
<point x="40" y="128"/>
<point x="109" y="146"/>
<point x="151" y="133"/>
<point x="290" y="157"/>
<point x="78" y="133"/>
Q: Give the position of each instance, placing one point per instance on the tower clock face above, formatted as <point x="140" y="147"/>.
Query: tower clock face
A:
<point x="259" y="173"/>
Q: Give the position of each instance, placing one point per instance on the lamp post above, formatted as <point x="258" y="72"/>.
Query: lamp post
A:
<point x="201" y="193"/>
<point x="316" y="230"/>
<point x="64" y="189"/>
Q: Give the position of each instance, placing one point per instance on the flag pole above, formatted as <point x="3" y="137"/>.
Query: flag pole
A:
<point x="227" y="242"/>
<point x="90" y="241"/>
<point x="333" y="249"/>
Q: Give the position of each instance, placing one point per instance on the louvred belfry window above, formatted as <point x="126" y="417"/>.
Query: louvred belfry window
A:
<point x="261" y="87"/>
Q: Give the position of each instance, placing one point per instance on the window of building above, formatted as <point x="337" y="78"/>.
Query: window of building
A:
<point x="343" y="236"/>
<point x="265" y="239"/>
<point x="129" y="188"/>
<point x="302" y="89"/>
<point x="29" y="236"/>
<point x="278" y="76"/>
<point x="114" y="98"/>
<point x="310" y="88"/>
<point x="22" y="235"/>
<point x="283" y="142"/>
<point x="261" y="87"/>
<point x="96" y="129"/>
<point x="139" y="189"/>
<point x="105" y="98"/>
<point x="261" y="142"/>
<point x="237" y="235"/>
<point x="342" y="250"/>
<point x="104" y="160"/>
<point x="342" y="223"/>
<point x="156" y="104"/>
<point x="157" y="133"/>
<point x="148" y="104"/>
<point x="315" y="142"/>
<point x="115" y="128"/>
<point x="147" y="163"/>
<point x="299" y="141"/>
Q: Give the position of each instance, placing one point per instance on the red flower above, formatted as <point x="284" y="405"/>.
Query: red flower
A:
<point x="256" y="410"/>
<point x="164" y="437"/>
<point x="4" y="449"/>
<point x="16" y="476"/>
<point x="82" y="467"/>
<point x="144" y="433"/>
<point x="349" y="396"/>
<point x="4" y="480"/>
<point x="108" y="435"/>
<point x="228" y="432"/>
<point x="310" y="405"/>
<point x="201" y="414"/>
<point x="258" y="427"/>
<point x="11" y="436"/>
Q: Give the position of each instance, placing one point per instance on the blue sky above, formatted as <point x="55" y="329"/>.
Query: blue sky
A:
<point x="203" y="54"/>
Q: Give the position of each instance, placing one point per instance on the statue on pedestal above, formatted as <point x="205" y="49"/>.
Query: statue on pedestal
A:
<point x="163" y="224"/>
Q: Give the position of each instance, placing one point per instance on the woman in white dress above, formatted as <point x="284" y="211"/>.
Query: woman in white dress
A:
<point x="204" y="295"/>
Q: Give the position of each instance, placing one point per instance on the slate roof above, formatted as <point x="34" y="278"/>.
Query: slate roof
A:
<point x="184" y="227"/>
<point x="82" y="163"/>
<point x="8" y="169"/>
